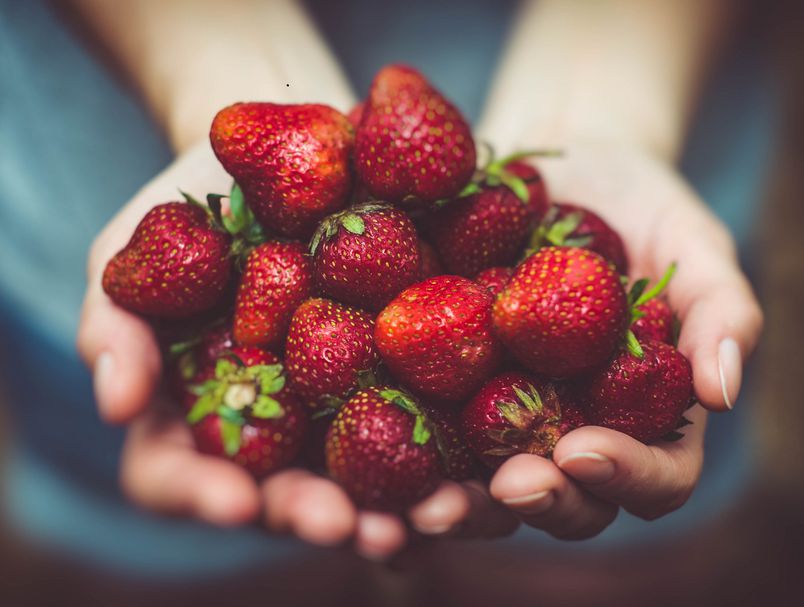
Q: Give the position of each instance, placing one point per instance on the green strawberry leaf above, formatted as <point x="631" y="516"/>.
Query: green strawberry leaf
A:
<point x="230" y="436"/>
<point x="182" y="347"/>
<point x="272" y="386"/>
<point x="188" y="366"/>
<point x="531" y="400"/>
<point x="658" y="287"/>
<point x="511" y="412"/>
<point x="205" y="405"/>
<point x="237" y="205"/>
<point x="325" y="412"/>
<point x="469" y="189"/>
<point x="581" y="242"/>
<point x="190" y="199"/>
<point x="517" y="185"/>
<point x="633" y="345"/>
<point x="402" y="400"/>
<point x="230" y="414"/>
<point x="637" y="290"/>
<point x="353" y="223"/>
<point x="316" y="240"/>
<point x="203" y="388"/>
<point x="421" y="431"/>
<point x="267" y="408"/>
<point x="223" y="367"/>
<point x="558" y="232"/>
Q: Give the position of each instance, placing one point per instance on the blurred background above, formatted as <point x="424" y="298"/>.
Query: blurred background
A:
<point x="62" y="513"/>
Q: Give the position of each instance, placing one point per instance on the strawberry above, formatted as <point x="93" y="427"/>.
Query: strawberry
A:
<point x="538" y="199"/>
<point x="563" y="312"/>
<point x="244" y="412"/>
<point x="494" y="279"/>
<point x="574" y="226"/>
<point x="516" y="413"/>
<point x="457" y="462"/>
<point x="431" y="264"/>
<point x="277" y="277"/>
<point x="329" y="351"/>
<point x="364" y="256"/>
<point x="656" y="323"/>
<point x="643" y="397"/>
<point x="381" y="449"/>
<point x="436" y="337"/>
<point x="355" y="115"/>
<point x="175" y="265"/>
<point x="291" y="161"/>
<point x="412" y="145"/>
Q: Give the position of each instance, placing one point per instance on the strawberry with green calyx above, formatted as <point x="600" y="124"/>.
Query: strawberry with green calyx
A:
<point x="657" y="322"/>
<point x="244" y="412"/>
<point x="365" y="255"/>
<point x="494" y="279"/>
<point x="292" y="161"/>
<point x="516" y="413"/>
<point x="638" y="298"/>
<point x="511" y="171"/>
<point x="569" y="225"/>
<point x="381" y="448"/>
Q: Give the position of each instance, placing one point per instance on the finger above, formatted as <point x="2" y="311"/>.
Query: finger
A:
<point x="441" y="511"/>
<point x="545" y="498"/>
<point x="162" y="471"/>
<point x="309" y="506"/>
<point x="487" y="518"/>
<point x="379" y="535"/>
<point x="648" y="481"/>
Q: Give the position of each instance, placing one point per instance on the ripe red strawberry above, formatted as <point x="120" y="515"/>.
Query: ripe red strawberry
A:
<point x="431" y="264"/>
<point x="494" y="279"/>
<point x="380" y="448"/>
<point x="291" y="161"/>
<point x="175" y="265"/>
<point x="538" y="199"/>
<point x="278" y="276"/>
<point x="366" y="255"/>
<point x="656" y="322"/>
<point x="574" y="226"/>
<point x="355" y="115"/>
<point x="244" y="412"/>
<point x="329" y="351"/>
<point x="642" y="397"/>
<point x="516" y="413"/>
<point x="563" y="312"/>
<point x="412" y="145"/>
<point x="437" y="338"/>
<point x="456" y="460"/>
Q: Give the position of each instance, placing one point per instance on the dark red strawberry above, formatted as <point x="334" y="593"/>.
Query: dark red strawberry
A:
<point x="456" y="460"/>
<point x="381" y="449"/>
<point x="642" y="397"/>
<point x="494" y="279"/>
<point x="514" y="413"/>
<point x="364" y="256"/>
<point x="244" y="412"/>
<point x="355" y="115"/>
<point x="574" y="226"/>
<point x="412" y="145"/>
<point x="437" y="338"/>
<point x="329" y="351"/>
<point x="431" y="264"/>
<point x="291" y="161"/>
<point x="538" y="199"/>
<point x="277" y="277"/>
<point x="175" y="265"/>
<point x="563" y="312"/>
<point x="655" y="323"/>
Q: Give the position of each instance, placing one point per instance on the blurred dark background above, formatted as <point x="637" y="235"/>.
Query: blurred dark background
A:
<point x="752" y="554"/>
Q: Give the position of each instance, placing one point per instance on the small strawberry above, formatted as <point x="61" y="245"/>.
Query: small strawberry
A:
<point x="329" y="351"/>
<point x="412" y="145"/>
<point x="381" y="449"/>
<point x="292" y="161"/>
<point x="494" y="279"/>
<point x="643" y="397"/>
<point x="277" y="277"/>
<point x="457" y="462"/>
<point x="436" y="337"/>
<point x="656" y="323"/>
<point x="574" y="226"/>
<point x="431" y="264"/>
<point x="244" y="412"/>
<point x="364" y="256"/>
<point x="563" y="312"/>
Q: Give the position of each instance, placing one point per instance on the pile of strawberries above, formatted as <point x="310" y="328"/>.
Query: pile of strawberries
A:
<point x="369" y="303"/>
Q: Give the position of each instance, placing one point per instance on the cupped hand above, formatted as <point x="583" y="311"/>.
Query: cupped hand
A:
<point x="595" y="471"/>
<point x="162" y="471"/>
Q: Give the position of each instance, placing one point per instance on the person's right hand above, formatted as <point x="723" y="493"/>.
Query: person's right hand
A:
<point x="162" y="471"/>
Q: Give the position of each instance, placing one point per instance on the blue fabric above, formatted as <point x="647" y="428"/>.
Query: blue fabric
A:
<point x="76" y="144"/>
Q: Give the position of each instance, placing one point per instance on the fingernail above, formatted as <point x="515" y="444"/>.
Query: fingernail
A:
<point x="432" y="529"/>
<point x="534" y="503"/>
<point x="588" y="467"/>
<point x="729" y="367"/>
<point x="103" y="375"/>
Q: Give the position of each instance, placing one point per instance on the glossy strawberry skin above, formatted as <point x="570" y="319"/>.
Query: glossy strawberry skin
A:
<point x="412" y="145"/>
<point x="368" y="270"/>
<point x="644" y="398"/>
<point x="494" y="279"/>
<point x="430" y="263"/>
<point x="291" y="161"/>
<point x="604" y="239"/>
<point x="370" y="451"/>
<point x="175" y="265"/>
<point x="563" y="312"/>
<point x="329" y="345"/>
<point x="277" y="277"/>
<point x="436" y="337"/>
<point x="486" y="229"/>
<point x="539" y="200"/>
<point x="657" y="322"/>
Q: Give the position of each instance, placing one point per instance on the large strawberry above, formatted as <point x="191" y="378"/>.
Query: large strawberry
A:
<point x="412" y="145"/>
<point x="277" y="277"/>
<point x="329" y="351"/>
<point x="563" y="312"/>
<point x="644" y="397"/>
<point x="292" y="161"/>
<point x="517" y="413"/>
<point x="365" y="255"/>
<point x="437" y="337"/>
<point x="381" y="449"/>
<point x="244" y="412"/>
<point x="494" y="279"/>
